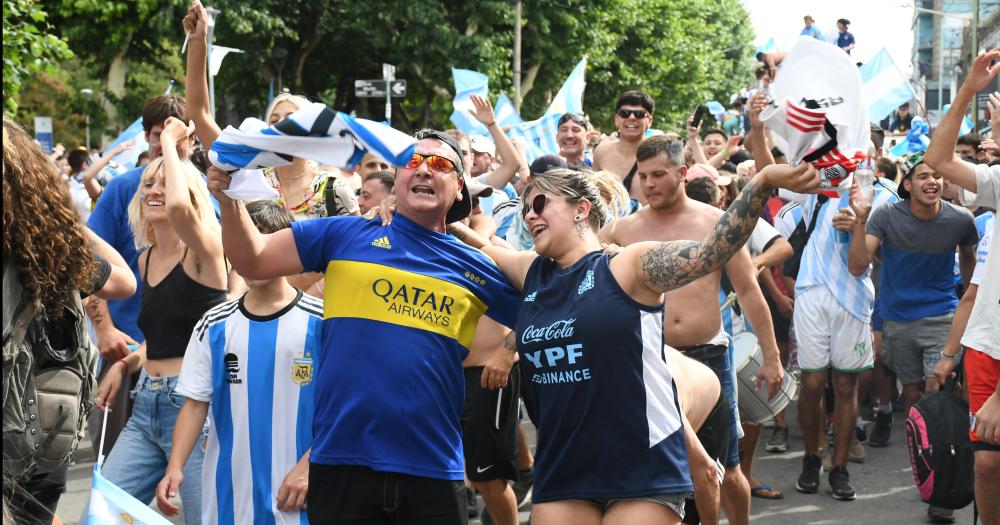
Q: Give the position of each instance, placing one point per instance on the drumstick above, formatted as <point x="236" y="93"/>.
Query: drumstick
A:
<point x="730" y="299"/>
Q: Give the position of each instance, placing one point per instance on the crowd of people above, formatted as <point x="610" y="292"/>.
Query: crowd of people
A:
<point x="367" y="347"/>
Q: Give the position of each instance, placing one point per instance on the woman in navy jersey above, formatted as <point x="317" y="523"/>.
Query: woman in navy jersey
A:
<point x="590" y="334"/>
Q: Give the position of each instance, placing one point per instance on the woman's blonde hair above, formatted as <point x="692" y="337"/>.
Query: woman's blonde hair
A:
<point x="572" y="185"/>
<point x="296" y="100"/>
<point x="143" y="230"/>
<point x="612" y="192"/>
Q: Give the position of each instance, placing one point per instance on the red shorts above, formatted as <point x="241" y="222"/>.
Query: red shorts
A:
<point x="982" y="373"/>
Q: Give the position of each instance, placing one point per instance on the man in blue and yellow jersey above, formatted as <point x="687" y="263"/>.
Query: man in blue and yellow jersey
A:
<point x="401" y="306"/>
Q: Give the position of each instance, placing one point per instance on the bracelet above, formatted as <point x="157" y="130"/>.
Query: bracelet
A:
<point x="125" y="364"/>
<point x="946" y="356"/>
<point x="491" y="123"/>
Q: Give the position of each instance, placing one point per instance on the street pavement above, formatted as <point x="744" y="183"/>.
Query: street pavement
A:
<point x="886" y="493"/>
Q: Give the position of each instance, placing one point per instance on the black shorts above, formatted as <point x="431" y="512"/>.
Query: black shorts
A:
<point x="346" y="494"/>
<point x="489" y="427"/>
<point x="714" y="432"/>
<point x="34" y="500"/>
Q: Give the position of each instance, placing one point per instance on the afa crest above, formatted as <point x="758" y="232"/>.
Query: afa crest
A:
<point x="302" y="371"/>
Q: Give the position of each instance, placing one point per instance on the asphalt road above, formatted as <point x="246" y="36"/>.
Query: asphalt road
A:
<point x="886" y="494"/>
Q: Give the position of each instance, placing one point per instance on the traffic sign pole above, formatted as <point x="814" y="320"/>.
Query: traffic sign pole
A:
<point x="389" y="74"/>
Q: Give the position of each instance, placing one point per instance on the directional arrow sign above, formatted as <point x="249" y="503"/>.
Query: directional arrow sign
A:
<point x="376" y="88"/>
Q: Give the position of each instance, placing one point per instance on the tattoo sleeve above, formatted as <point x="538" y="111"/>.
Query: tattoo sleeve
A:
<point x="674" y="264"/>
<point x="94" y="310"/>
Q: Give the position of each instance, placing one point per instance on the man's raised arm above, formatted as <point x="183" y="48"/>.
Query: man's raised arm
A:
<point x="940" y="154"/>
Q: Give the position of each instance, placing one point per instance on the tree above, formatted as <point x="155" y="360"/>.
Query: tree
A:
<point x="29" y="48"/>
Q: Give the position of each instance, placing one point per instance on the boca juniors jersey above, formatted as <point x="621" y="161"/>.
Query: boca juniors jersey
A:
<point x="401" y="306"/>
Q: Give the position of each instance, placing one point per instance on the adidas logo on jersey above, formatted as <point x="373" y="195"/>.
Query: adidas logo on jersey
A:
<point x="530" y="298"/>
<point x="382" y="242"/>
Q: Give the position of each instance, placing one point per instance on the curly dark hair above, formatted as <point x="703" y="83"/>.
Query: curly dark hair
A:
<point x="42" y="233"/>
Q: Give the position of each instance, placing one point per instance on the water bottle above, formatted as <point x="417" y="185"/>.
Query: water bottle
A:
<point x="866" y="177"/>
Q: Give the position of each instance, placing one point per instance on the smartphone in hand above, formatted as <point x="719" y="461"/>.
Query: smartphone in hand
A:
<point x="699" y="113"/>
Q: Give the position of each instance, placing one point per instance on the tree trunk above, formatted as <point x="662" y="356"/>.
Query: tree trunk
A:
<point x="117" y="71"/>
<point x="529" y="79"/>
<point x="310" y="41"/>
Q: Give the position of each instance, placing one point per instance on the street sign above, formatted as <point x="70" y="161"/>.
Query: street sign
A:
<point x="376" y="88"/>
<point x="43" y="132"/>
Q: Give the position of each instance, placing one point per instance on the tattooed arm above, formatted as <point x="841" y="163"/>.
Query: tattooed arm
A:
<point x="658" y="267"/>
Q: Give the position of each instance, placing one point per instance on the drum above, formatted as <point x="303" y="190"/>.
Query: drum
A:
<point x="753" y="403"/>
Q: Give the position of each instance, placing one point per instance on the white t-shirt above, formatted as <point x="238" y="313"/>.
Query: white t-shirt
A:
<point x="983" y="330"/>
<point x="760" y="239"/>
<point x="983" y="253"/>
<point x="80" y="198"/>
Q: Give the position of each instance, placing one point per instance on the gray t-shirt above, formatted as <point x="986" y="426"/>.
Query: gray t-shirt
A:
<point x="918" y="258"/>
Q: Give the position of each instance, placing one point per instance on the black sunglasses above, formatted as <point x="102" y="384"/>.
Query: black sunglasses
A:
<point x="637" y="113"/>
<point x="536" y="205"/>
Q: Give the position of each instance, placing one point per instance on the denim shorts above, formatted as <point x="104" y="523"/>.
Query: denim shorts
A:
<point x="674" y="501"/>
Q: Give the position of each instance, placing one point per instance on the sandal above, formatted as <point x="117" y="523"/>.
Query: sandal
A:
<point x="766" y="492"/>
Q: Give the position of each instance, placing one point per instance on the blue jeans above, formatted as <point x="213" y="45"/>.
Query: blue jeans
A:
<point x="139" y="459"/>
<point x="722" y="366"/>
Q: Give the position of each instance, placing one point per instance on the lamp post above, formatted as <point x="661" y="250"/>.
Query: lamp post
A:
<point x="278" y="57"/>
<point x="87" y="92"/>
<point x="213" y="14"/>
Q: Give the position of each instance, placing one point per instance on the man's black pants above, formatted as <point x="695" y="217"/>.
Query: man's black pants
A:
<point x="360" y="496"/>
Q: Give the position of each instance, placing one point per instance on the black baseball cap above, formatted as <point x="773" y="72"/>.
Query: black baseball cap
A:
<point x="546" y="163"/>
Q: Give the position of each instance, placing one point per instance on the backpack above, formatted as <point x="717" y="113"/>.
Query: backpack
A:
<point x="48" y="382"/>
<point x="799" y="238"/>
<point x="937" y="436"/>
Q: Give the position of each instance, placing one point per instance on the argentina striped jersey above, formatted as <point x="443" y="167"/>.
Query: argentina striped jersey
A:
<point x="257" y="372"/>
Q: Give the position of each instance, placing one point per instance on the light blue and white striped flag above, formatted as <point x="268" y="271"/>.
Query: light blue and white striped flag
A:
<point x="505" y="112"/>
<point x="110" y="505"/>
<point x="468" y="83"/>
<point x="884" y="86"/>
<point x="314" y="132"/>
<point x="541" y="134"/>
<point x="966" y="121"/>
<point x="134" y="132"/>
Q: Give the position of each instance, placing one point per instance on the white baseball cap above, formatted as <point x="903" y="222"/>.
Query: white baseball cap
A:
<point x="481" y="144"/>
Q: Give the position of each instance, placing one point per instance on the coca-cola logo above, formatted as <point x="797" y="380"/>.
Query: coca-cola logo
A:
<point x="557" y="330"/>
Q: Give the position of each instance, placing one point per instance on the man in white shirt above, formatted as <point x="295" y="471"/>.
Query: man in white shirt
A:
<point x="981" y="185"/>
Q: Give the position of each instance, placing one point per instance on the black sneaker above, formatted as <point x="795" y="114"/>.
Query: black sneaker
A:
<point x="881" y="430"/>
<point x="940" y="515"/>
<point x="861" y="434"/>
<point x="522" y="487"/>
<point x="470" y="498"/>
<point x="840" y="484"/>
<point x="808" y="482"/>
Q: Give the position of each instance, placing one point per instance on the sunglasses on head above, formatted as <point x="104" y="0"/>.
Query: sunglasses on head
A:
<point x="575" y="117"/>
<point x="637" y="113"/>
<point x="436" y="163"/>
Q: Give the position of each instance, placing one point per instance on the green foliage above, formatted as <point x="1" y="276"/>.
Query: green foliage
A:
<point x="682" y="52"/>
<point x="28" y="47"/>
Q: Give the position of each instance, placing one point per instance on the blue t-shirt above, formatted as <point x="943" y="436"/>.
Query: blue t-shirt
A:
<point x="812" y="31"/>
<point x="845" y="39"/>
<point x="918" y="258"/>
<point x="400" y="310"/>
<point x="109" y="220"/>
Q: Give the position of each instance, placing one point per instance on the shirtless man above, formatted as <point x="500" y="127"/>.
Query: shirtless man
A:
<point x="489" y="418"/>
<point x="692" y="322"/>
<point x="633" y="116"/>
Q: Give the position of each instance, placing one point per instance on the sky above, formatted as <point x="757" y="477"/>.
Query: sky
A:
<point x="875" y="24"/>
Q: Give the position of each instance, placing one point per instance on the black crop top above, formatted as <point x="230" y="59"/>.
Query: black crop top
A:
<point x="171" y="309"/>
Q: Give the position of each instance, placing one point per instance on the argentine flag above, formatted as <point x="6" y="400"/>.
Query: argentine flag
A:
<point x="110" y="505"/>
<point x="540" y="134"/>
<point x="129" y="157"/>
<point x="884" y="86"/>
<point x="966" y="122"/>
<point x="505" y="112"/>
<point x="468" y="83"/>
